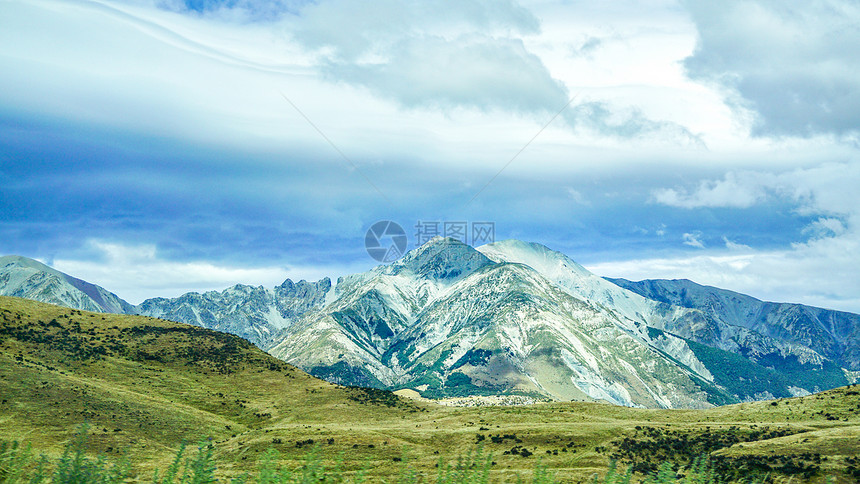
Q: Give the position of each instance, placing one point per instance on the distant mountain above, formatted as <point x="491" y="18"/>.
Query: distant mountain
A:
<point x="30" y="279"/>
<point x="447" y="320"/>
<point x="832" y="334"/>
<point x="257" y="314"/>
<point x="513" y="317"/>
<point x="509" y="318"/>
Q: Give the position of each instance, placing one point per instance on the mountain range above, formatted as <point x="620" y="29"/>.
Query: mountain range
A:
<point x="510" y="318"/>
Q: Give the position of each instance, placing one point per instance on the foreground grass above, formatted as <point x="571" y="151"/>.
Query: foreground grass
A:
<point x="18" y="465"/>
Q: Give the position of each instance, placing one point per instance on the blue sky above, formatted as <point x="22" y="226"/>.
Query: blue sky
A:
<point x="151" y="147"/>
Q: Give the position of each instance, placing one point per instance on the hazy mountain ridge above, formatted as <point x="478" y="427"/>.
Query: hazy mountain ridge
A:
<point x="832" y="334"/>
<point x="30" y="279"/>
<point x="253" y="312"/>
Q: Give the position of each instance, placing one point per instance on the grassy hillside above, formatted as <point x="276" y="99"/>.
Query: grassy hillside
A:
<point x="145" y="385"/>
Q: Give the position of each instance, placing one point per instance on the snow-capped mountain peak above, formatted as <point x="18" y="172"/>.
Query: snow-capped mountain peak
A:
<point x="441" y="258"/>
<point x="538" y="256"/>
<point x="573" y="278"/>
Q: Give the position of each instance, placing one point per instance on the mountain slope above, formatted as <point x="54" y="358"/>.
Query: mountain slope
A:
<point x="701" y="339"/>
<point x="576" y="280"/>
<point x="370" y="308"/>
<point x="832" y="334"/>
<point x="30" y="279"/>
<point x="151" y="383"/>
<point x="689" y="322"/>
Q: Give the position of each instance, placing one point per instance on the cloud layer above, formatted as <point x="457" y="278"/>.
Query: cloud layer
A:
<point x="789" y="63"/>
<point x="719" y="141"/>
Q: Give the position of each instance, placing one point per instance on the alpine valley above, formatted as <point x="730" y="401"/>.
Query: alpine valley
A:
<point x="509" y="318"/>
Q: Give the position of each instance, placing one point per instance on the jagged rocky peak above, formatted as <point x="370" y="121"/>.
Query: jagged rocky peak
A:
<point x="441" y="258"/>
<point x="253" y="312"/>
<point x="304" y="288"/>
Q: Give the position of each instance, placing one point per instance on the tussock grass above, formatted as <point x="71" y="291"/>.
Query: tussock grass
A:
<point x="75" y="466"/>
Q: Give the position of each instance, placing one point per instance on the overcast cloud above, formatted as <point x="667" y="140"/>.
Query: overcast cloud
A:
<point x="146" y="145"/>
<point x="791" y="63"/>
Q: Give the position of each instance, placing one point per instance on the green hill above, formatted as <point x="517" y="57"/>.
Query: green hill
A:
<point x="145" y="385"/>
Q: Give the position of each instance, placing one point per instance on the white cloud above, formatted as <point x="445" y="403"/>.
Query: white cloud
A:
<point x="786" y="61"/>
<point x="577" y="196"/>
<point x="693" y="240"/>
<point x="470" y="71"/>
<point x="474" y="77"/>
<point x="825" y="227"/>
<point x="359" y="30"/>
<point x="828" y="188"/>
<point x="734" y="246"/>
<point x="609" y="119"/>
<point x="735" y="190"/>
<point x="432" y="54"/>
<point x="137" y="272"/>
